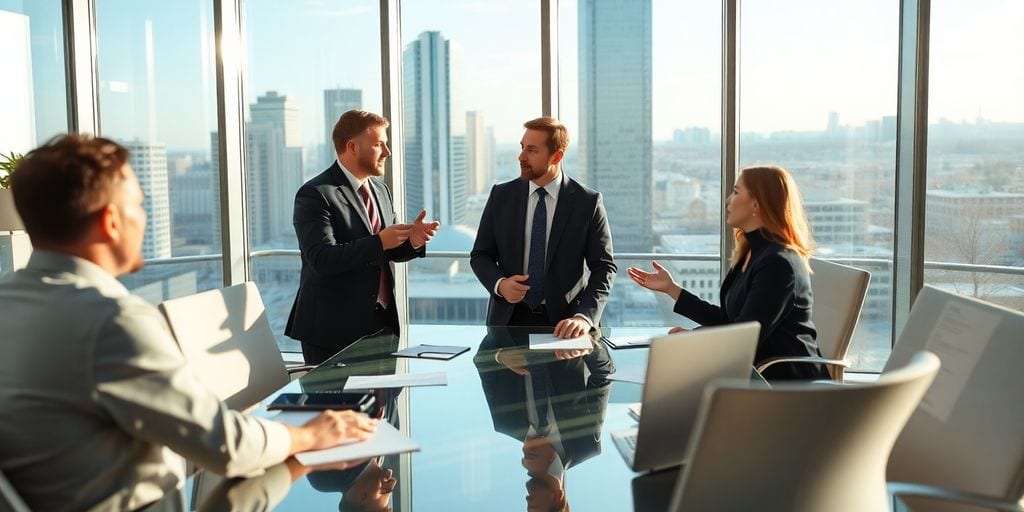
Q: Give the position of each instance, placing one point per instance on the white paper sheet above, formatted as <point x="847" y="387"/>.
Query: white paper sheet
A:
<point x="550" y="342"/>
<point x="385" y="441"/>
<point x="403" y="380"/>
<point x="957" y="322"/>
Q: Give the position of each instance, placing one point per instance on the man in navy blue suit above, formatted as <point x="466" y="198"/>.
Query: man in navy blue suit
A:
<point x="350" y="238"/>
<point x="537" y="235"/>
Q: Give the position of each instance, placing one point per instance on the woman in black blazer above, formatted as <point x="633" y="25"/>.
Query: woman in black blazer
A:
<point x="769" y="279"/>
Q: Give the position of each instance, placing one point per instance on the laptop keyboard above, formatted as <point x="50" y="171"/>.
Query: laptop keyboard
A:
<point x="630" y="441"/>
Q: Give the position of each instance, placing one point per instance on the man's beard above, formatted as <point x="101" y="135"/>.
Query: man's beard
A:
<point x="374" y="167"/>
<point x="530" y="174"/>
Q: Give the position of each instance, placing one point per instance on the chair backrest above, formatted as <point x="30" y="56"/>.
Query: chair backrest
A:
<point x="968" y="432"/>
<point x="839" y="293"/>
<point x="226" y="338"/>
<point x="9" y="499"/>
<point x="799" y="447"/>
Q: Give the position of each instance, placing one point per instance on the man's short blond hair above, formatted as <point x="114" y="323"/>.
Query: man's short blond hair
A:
<point x="558" y="134"/>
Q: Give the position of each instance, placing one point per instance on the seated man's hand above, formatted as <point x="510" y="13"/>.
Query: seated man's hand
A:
<point x="677" y="329"/>
<point x="332" y="428"/>
<point x="422" y="232"/>
<point x="513" y="288"/>
<point x="571" y="327"/>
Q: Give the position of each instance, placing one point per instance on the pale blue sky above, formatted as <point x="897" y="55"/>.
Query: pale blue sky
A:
<point x="800" y="59"/>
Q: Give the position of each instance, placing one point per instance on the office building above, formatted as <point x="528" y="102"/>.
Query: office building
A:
<point x="149" y="161"/>
<point x="479" y="153"/>
<point x="435" y="138"/>
<point x="615" y="114"/>
<point x="274" y="156"/>
<point x="336" y="103"/>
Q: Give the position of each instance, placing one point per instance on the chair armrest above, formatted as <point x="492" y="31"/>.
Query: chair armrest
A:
<point x="802" y="359"/>
<point x="940" y="493"/>
<point x="297" y="369"/>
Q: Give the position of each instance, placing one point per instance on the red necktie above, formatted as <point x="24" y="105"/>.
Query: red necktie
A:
<point x="383" y="293"/>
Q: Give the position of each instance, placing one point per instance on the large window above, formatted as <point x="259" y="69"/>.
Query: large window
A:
<point x="975" y="198"/>
<point x="471" y="78"/>
<point x="308" y="63"/>
<point x="33" y="92"/>
<point x="640" y="89"/>
<point x="156" y="77"/>
<point x="818" y="97"/>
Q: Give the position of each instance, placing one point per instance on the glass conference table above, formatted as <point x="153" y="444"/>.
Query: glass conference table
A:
<point x="472" y="431"/>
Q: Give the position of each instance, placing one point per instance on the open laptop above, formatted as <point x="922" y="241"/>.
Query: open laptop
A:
<point x="679" y="366"/>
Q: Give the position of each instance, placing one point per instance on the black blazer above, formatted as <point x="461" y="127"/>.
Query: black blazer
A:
<point x="775" y="291"/>
<point x="341" y="260"/>
<point x="579" y="236"/>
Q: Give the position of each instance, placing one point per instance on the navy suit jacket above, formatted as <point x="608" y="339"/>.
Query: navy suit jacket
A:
<point x="579" y="238"/>
<point x="341" y="260"/>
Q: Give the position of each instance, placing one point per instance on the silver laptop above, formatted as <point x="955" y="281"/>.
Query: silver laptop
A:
<point x="679" y="366"/>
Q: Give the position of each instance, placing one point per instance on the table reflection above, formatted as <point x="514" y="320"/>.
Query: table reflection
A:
<point x="554" y="403"/>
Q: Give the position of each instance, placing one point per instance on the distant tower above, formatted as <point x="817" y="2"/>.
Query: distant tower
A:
<point x="615" y="114"/>
<point x="479" y="151"/>
<point x="149" y="161"/>
<point x="435" y="138"/>
<point x="274" y="167"/>
<point x="336" y="103"/>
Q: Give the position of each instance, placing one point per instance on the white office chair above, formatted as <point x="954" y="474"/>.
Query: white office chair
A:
<point x="226" y="338"/>
<point x="798" y="447"/>
<point x="839" y="293"/>
<point x="963" y="448"/>
<point x="11" y="502"/>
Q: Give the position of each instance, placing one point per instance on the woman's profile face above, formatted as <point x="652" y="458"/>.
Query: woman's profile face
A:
<point x="740" y="207"/>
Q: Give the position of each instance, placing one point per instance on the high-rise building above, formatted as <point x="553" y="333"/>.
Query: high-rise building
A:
<point x="274" y="156"/>
<point x="149" y="161"/>
<point x="435" y="138"/>
<point x="479" y="153"/>
<point x="336" y="103"/>
<point x="615" y="114"/>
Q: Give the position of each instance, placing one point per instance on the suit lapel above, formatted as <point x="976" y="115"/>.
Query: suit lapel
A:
<point x="520" y="192"/>
<point x="348" y="195"/>
<point x="562" y="212"/>
<point x="387" y="211"/>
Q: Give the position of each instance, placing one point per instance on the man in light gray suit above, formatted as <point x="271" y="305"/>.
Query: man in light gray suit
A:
<point x="99" y="408"/>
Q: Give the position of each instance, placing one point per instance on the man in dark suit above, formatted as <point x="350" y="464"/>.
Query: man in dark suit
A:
<point x="350" y="237"/>
<point x="536" y="235"/>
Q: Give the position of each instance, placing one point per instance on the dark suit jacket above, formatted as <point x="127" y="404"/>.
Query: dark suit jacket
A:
<point x="579" y="235"/>
<point x="580" y="386"/>
<point x="775" y="291"/>
<point x="341" y="260"/>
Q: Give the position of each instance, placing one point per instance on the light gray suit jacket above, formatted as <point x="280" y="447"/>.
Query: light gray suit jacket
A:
<point x="96" y="398"/>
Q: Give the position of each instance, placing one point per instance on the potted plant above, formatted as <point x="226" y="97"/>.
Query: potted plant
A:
<point x="9" y="219"/>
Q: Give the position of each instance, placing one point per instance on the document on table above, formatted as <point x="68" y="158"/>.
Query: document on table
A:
<point x="385" y="441"/>
<point x="637" y="341"/>
<point x="550" y="342"/>
<point x="402" y="380"/>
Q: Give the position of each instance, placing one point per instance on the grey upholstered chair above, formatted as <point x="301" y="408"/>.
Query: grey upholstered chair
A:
<point x="799" y="447"/>
<point x="839" y="293"/>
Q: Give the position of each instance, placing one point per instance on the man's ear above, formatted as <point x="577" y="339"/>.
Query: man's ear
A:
<point x="109" y="222"/>
<point x="557" y="157"/>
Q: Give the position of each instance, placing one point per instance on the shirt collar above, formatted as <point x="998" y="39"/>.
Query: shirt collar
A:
<point x="355" y="182"/>
<point x="552" y="188"/>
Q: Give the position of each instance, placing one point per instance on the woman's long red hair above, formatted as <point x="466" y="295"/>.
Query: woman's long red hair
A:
<point x="781" y="210"/>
